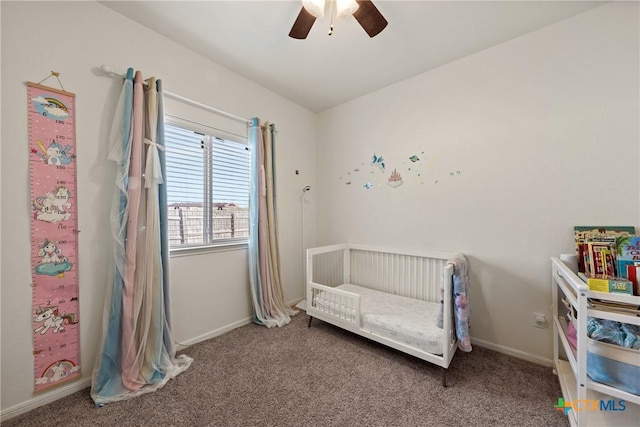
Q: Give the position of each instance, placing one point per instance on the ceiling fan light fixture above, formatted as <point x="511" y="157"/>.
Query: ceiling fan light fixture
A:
<point x="364" y="11"/>
<point x="345" y="8"/>
<point x="314" y="7"/>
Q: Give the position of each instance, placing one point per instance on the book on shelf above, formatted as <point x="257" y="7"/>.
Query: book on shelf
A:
<point x="620" y="307"/>
<point x="633" y="275"/>
<point x="628" y="249"/>
<point x="592" y="233"/>
<point x="606" y="283"/>
<point x="602" y="256"/>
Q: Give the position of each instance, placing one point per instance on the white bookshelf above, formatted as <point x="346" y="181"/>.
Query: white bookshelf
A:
<point x="571" y="368"/>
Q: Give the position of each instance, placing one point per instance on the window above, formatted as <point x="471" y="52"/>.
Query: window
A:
<point x="207" y="186"/>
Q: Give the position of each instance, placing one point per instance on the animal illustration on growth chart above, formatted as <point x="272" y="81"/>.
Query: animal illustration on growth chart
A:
<point x="57" y="371"/>
<point x="52" y="207"/>
<point x="53" y="263"/>
<point x="50" y="318"/>
<point x="55" y="155"/>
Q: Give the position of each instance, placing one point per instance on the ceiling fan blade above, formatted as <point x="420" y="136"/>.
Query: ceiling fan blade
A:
<point x="303" y="25"/>
<point x="370" y="18"/>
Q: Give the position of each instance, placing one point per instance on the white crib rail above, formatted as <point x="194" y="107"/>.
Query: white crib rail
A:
<point x="342" y="305"/>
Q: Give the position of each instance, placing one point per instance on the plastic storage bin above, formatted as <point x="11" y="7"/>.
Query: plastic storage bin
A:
<point x="614" y="365"/>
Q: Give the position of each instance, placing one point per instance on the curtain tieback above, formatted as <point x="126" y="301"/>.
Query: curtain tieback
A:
<point x="153" y="144"/>
<point x="153" y="170"/>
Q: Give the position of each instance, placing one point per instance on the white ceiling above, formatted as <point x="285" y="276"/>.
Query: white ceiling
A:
<point x="251" y="38"/>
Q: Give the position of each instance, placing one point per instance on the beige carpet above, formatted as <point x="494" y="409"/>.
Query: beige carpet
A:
<point x="324" y="376"/>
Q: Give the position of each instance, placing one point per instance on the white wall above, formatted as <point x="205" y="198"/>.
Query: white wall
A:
<point x="544" y="130"/>
<point x="86" y="35"/>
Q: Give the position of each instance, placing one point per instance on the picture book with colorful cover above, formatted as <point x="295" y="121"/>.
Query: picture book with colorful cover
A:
<point x="628" y="248"/>
<point x="584" y="233"/>
<point x="602" y="255"/>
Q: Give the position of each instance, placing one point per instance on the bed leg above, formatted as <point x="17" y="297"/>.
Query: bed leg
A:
<point x="310" y="319"/>
<point x="444" y="377"/>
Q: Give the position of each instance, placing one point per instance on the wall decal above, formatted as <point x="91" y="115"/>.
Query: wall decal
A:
<point x="378" y="161"/>
<point x="416" y="168"/>
<point x="395" y="180"/>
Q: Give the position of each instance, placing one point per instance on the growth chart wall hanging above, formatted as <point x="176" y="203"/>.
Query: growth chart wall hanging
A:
<point x="54" y="228"/>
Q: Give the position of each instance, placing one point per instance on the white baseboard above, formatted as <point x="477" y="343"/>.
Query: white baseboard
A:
<point x="224" y="329"/>
<point x="292" y="303"/>
<point x="214" y="333"/>
<point x="43" y="399"/>
<point x="515" y="353"/>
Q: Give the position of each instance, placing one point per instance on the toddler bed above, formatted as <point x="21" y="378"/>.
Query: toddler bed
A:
<point x="400" y="298"/>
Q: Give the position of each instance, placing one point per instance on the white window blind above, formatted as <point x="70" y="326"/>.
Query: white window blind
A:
<point x="207" y="187"/>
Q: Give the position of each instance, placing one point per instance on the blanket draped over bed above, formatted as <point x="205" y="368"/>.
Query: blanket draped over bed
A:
<point x="461" y="299"/>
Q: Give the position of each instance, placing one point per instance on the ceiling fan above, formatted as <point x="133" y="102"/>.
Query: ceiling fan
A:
<point x="367" y="15"/>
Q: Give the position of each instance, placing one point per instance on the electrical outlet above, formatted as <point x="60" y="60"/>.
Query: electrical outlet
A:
<point x="539" y="320"/>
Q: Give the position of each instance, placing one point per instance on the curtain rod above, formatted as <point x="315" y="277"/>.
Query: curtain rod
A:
<point x="108" y="70"/>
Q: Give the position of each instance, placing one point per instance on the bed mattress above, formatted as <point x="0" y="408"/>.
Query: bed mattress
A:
<point x="405" y="320"/>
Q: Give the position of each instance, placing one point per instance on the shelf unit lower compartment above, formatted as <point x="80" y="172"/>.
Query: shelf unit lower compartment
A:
<point x="628" y="417"/>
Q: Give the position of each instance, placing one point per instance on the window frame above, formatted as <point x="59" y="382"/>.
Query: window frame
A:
<point x="224" y="244"/>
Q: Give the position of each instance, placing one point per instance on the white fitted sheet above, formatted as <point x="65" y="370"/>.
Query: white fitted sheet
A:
<point x="406" y="320"/>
